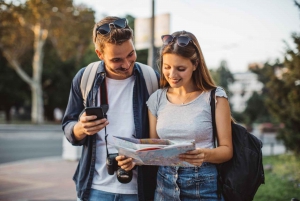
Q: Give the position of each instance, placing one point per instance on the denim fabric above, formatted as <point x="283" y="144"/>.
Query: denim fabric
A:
<point x="187" y="183"/>
<point x="96" y="195"/>
<point x="84" y="173"/>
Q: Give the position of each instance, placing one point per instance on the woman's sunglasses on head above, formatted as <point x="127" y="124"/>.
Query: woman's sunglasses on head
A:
<point x="182" y="41"/>
<point x="105" y="28"/>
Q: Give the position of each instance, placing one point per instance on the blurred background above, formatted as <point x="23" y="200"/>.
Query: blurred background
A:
<point x="251" y="48"/>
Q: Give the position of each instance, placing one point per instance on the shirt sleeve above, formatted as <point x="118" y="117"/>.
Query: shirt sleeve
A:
<point x="220" y="92"/>
<point x="73" y="110"/>
<point x="152" y="102"/>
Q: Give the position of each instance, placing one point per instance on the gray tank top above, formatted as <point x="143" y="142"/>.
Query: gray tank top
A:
<point x="184" y="122"/>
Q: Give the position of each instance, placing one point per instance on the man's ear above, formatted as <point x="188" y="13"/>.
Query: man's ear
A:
<point x="99" y="54"/>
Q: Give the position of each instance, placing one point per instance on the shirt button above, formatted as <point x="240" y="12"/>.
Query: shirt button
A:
<point x="176" y="189"/>
<point x="176" y="175"/>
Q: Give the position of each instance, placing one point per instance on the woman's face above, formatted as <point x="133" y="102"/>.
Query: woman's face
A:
<point x="177" y="70"/>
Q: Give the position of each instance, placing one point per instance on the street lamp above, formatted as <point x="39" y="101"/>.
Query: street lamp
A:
<point x="151" y="53"/>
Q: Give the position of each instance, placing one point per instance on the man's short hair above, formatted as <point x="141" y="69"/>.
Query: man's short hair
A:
<point x="115" y="36"/>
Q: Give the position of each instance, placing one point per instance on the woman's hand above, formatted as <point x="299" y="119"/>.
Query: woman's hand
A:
<point x="195" y="157"/>
<point x="125" y="163"/>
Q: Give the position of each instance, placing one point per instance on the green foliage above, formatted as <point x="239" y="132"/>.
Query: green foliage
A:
<point x="222" y="76"/>
<point x="142" y="56"/>
<point x="282" y="178"/>
<point x="13" y="92"/>
<point x="256" y="110"/>
<point x="284" y="95"/>
<point x="281" y="95"/>
<point x="130" y="20"/>
<point x="57" y="78"/>
<point x="89" y="56"/>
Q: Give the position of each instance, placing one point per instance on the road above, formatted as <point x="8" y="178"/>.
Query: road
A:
<point x="20" y="142"/>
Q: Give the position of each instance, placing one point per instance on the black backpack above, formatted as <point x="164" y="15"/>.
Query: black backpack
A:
<point x="240" y="177"/>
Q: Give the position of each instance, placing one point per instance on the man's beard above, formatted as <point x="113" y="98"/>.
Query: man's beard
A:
<point x="122" y="72"/>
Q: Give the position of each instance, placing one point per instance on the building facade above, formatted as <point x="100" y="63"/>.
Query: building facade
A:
<point x="242" y="89"/>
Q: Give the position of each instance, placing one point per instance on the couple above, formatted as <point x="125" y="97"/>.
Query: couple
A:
<point x="179" y="110"/>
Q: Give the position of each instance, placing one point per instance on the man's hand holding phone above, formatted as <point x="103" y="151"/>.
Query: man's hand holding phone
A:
<point x="95" y="111"/>
<point x="90" y="122"/>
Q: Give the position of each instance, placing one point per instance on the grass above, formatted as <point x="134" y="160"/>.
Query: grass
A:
<point x="282" y="178"/>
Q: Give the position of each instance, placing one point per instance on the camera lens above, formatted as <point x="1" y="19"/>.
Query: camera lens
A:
<point x="111" y="163"/>
<point x="123" y="176"/>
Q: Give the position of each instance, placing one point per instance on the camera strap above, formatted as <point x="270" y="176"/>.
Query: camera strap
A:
<point x="104" y="106"/>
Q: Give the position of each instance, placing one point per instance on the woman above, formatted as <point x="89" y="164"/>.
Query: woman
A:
<point x="180" y="111"/>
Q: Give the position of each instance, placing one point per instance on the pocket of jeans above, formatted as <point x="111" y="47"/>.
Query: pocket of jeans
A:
<point x="207" y="179"/>
<point x="186" y="181"/>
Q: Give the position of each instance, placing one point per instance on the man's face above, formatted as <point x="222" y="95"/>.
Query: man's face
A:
<point x="119" y="59"/>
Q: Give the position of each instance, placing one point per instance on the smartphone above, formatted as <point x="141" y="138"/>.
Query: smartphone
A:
<point x="94" y="111"/>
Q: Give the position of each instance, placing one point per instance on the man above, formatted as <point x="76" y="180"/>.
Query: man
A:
<point x="127" y="117"/>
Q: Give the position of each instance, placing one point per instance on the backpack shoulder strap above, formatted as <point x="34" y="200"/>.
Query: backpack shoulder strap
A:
<point x="213" y="114"/>
<point x="213" y="119"/>
<point x="87" y="80"/>
<point x="150" y="78"/>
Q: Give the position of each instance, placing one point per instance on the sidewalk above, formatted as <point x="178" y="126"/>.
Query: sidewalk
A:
<point x="39" y="179"/>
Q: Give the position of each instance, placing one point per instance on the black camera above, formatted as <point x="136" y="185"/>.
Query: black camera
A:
<point x="112" y="166"/>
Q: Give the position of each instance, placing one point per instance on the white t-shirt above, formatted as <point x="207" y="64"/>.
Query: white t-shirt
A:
<point x="121" y="123"/>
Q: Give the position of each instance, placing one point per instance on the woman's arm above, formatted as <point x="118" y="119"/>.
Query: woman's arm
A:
<point x="224" y="151"/>
<point x="152" y="125"/>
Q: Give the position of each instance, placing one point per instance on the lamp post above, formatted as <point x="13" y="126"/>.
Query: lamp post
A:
<point x="151" y="53"/>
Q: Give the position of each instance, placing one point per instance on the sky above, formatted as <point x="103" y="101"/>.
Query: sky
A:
<point x="237" y="31"/>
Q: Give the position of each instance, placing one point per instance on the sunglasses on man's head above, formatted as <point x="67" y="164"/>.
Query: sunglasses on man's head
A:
<point x="118" y="24"/>
<point x="182" y="41"/>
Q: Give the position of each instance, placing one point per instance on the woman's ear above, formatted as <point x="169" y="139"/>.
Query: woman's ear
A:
<point x="195" y="65"/>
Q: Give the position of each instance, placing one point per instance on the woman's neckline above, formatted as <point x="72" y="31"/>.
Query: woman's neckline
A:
<point x="184" y="103"/>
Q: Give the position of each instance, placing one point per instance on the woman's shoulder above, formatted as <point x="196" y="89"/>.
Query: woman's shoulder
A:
<point x="156" y="96"/>
<point x="158" y="92"/>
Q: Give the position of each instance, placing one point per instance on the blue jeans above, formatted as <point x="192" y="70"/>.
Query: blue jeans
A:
<point x="187" y="183"/>
<point x="97" y="195"/>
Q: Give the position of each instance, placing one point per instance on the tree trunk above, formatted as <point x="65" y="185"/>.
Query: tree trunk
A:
<point x="37" y="107"/>
<point x="37" y="110"/>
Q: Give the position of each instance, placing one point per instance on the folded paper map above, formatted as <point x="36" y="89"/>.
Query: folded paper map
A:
<point x="153" y="151"/>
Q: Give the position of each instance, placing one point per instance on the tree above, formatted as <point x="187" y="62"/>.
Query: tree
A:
<point x="222" y="76"/>
<point x="27" y="27"/>
<point x="256" y="110"/>
<point x="284" y="95"/>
